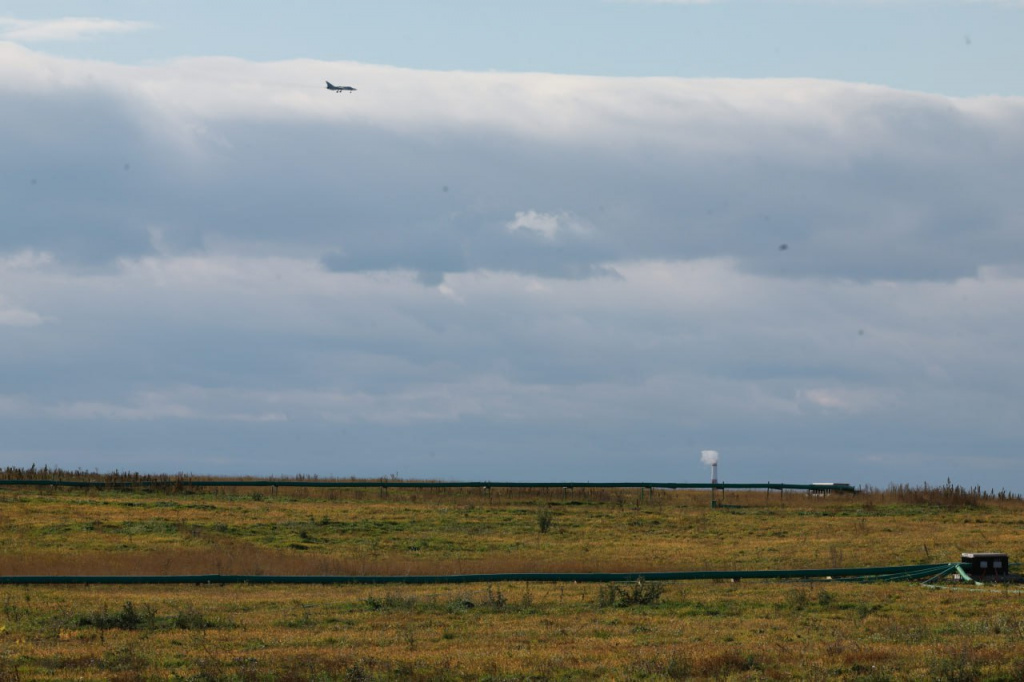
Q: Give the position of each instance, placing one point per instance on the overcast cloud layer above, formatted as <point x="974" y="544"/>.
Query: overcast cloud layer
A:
<point x="215" y="265"/>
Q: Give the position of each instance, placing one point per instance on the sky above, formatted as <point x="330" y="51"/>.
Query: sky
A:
<point x="568" y="240"/>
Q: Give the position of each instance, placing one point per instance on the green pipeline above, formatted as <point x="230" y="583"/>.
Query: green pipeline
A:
<point x="916" y="572"/>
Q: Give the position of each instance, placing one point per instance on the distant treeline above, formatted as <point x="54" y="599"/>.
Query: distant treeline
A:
<point x="947" y="495"/>
<point x="117" y="478"/>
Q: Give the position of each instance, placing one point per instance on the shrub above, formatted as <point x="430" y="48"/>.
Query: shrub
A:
<point x="496" y="598"/>
<point x="390" y="601"/>
<point x="796" y="599"/>
<point x="128" y="618"/>
<point x="459" y="604"/>
<point x="190" y="618"/>
<point x="526" y="601"/>
<point x="640" y="593"/>
<point x="544" y="518"/>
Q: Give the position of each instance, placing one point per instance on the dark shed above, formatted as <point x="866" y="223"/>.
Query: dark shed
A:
<point x="986" y="564"/>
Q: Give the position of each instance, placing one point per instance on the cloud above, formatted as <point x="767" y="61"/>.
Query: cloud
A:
<point x="145" y="407"/>
<point x="665" y="2"/>
<point x="216" y="260"/>
<point x="15" y="317"/>
<point x="67" y="28"/>
<point x="849" y="400"/>
<point x="858" y="181"/>
<point x="25" y="260"/>
<point x="546" y="225"/>
<point x="668" y="348"/>
<point x="1010" y="3"/>
<point x="10" y="264"/>
<point x="149" y="410"/>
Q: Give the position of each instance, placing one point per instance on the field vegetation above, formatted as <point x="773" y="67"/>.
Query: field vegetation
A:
<point x="500" y="631"/>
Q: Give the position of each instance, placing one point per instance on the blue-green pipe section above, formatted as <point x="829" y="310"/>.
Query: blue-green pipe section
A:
<point x="872" y="573"/>
<point x="186" y="483"/>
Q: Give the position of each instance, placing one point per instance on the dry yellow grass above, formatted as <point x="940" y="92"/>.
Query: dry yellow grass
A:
<point x="722" y="630"/>
<point x="90" y="532"/>
<point x="750" y="630"/>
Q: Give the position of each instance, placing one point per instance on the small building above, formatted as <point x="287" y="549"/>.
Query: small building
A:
<point x="829" y="488"/>
<point x="980" y="565"/>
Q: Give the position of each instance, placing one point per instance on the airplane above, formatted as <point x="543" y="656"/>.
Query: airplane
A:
<point x="339" y="88"/>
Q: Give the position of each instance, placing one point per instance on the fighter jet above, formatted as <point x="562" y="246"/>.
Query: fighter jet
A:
<point x="339" y="88"/>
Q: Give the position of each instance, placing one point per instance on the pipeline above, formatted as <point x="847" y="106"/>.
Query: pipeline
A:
<point x="880" y="573"/>
<point x="810" y="487"/>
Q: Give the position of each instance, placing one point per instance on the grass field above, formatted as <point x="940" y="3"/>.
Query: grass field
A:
<point x="747" y="630"/>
